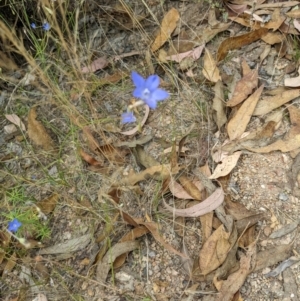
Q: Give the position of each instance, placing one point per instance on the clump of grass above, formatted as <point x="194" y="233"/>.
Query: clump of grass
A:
<point x="21" y="207"/>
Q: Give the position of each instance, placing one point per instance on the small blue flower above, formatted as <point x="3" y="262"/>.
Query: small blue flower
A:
<point x="14" y="225"/>
<point x="128" y="117"/>
<point x="33" y="25"/>
<point x="46" y="26"/>
<point x="147" y="89"/>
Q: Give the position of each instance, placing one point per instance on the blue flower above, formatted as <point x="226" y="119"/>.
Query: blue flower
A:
<point x="147" y="89"/>
<point x="14" y="225"/>
<point x="46" y="26"/>
<point x="128" y="117"/>
<point x="33" y="25"/>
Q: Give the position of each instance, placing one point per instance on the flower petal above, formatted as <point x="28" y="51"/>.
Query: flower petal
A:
<point x="128" y="117"/>
<point x="138" y="92"/>
<point x="137" y="79"/>
<point x="159" y="94"/>
<point x="14" y="225"/>
<point x="152" y="82"/>
<point x="151" y="102"/>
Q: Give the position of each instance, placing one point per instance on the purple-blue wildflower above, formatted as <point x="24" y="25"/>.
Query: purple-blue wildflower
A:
<point x="147" y="89"/>
<point x="46" y="26"/>
<point x="33" y="25"/>
<point x="128" y="117"/>
<point x="14" y="225"/>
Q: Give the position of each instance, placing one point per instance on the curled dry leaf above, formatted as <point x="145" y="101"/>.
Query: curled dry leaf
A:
<point x="243" y="88"/>
<point x="239" y="41"/>
<point x="210" y="69"/>
<point x="214" y="250"/>
<point x="13" y="118"/>
<point x="106" y="263"/>
<point x="190" y="187"/>
<point x="139" y="126"/>
<point x="37" y="132"/>
<point x="194" y="54"/>
<point x="224" y="168"/>
<point x="208" y="205"/>
<point x="168" y="25"/>
<point x="178" y="191"/>
<point x="229" y="287"/>
<point x="268" y="104"/>
<point x="238" y="123"/>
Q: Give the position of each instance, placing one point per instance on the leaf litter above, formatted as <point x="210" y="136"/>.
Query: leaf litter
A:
<point x="228" y="229"/>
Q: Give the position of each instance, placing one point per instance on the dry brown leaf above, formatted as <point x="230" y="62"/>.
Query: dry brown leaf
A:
<point x="154" y="229"/>
<point x="295" y="13"/>
<point x="243" y="88"/>
<point x="237" y="210"/>
<point x="37" y="132"/>
<point x="268" y="104"/>
<point x="178" y="191"/>
<point x="106" y="263"/>
<point x="272" y="256"/>
<point x="273" y="38"/>
<point x="48" y="205"/>
<point x="143" y="158"/>
<point x="208" y="34"/>
<point x="190" y="188"/>
<point x="194" y="54"/>
<point x="168" y="25"/>
<point x="234" y="282"/>
<point x="210" y="69"/>
<point x="206" y="206"/>
<point x="224" y="168"/>
<point x="293" y="82"/>
<point x="294" y="115"/>
<point x="219" y="104"/>
<point x="245" y="67"/>
<point x="13" y="118"/>
<point x="89" y="159"/>
<point x="131" y="236"/>
<point x="238" y="123"/>
<point x="97" y="64"/>
<point x="291" y="141"/>
<point x="206" y="225"/>
<point x="214" y="251"/>
<point x="239" y="41"/>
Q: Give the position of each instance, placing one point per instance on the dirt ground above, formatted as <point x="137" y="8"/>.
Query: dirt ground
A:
<point x="78" y="181"/>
